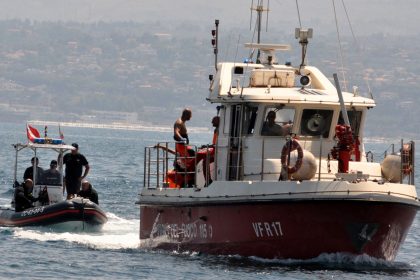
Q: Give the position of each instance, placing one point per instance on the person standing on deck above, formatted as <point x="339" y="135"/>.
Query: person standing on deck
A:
<point x="29" y="172"/>
<point x="75" y="162"/>
<point x="180" y="129"/>
<point x="52" y="176"/>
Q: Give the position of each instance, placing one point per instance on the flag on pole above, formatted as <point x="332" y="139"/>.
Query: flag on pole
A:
<point x="32" y="133"/>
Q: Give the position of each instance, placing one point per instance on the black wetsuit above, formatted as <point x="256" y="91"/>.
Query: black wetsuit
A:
<point x="23" y="199"/>
<point x="51" y="177"/>
<point x="74" y="168"/>
<point x="29" y="173"/>
<point x="90" y="194"/>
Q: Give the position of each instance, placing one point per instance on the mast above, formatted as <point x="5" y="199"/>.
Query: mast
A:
<point x="259" y="8"/>
<point x="215" y="41"/>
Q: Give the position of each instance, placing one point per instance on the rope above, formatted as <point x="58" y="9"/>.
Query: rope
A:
<point x="340" y="47"/>
<point x="348" y="20"/>
<point x="83" y="215"/>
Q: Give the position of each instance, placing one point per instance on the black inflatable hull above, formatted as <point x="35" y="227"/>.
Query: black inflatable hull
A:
<point x="80" y="212"/>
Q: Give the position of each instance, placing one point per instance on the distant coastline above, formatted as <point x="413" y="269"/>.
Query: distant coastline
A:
<point x="116" y="126"/>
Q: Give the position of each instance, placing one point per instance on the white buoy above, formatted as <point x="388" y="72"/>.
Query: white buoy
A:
<point x="308" y="169"/>
<point x="391" y="168"/>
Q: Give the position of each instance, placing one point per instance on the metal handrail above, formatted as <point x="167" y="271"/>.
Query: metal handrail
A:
<point x="158" y="158"/>
<point x="156" y="165"/>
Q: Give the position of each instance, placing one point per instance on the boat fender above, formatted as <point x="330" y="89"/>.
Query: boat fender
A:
<point x="289" y="147"/>
<point x="309" y="166"/>
<point x="391" y="168"/>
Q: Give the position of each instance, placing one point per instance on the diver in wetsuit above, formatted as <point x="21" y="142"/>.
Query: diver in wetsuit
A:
<point x="88" y="192"/>
<point x="23" y="196"/>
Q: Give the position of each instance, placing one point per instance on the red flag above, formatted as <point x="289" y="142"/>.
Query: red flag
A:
<point x="32" y="133"/>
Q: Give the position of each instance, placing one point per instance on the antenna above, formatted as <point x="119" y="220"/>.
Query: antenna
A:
<point x="303" y="35"/>
<point x="250" y="18"/>
<point x="259" y="8"/>
<point x="215" y="41"/>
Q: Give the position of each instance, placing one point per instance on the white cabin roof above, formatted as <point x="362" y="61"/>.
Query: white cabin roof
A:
<point x="277" y="84"/>
<point x="61" y="147"/>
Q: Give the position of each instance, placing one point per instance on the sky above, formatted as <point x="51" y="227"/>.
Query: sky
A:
<point x="367" y="16"/>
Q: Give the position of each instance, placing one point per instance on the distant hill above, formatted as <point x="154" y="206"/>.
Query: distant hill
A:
<point x="149" y="71"/>
<point x="368" y="17"/>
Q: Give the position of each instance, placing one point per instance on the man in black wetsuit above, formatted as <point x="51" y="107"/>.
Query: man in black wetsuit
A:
<point x="51" y="177"/>
<point x="23" y="196"/>
<point x="75" y="162"/>
<point x="29" y="172"/>
<point x="88" y="192"/>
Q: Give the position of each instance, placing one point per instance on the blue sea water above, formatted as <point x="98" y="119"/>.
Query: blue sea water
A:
<point x="116" y="159"/>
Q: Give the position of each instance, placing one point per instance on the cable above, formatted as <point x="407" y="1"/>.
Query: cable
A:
<point x="340" y="47"/>
<point x="348" y="20"/>
<point x="356" y="42"/>
<point x="298" y="12"/>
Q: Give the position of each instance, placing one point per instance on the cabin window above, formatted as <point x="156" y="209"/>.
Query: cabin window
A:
<point x="249" y="118"/>
<point x="278" y="121"/>
<point x="238" y="70"/>
<point x="316" y="122"/>
<point x="355" y="118"/>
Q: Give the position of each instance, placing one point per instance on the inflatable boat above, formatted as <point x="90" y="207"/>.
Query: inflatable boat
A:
<point x="75" y="214"/>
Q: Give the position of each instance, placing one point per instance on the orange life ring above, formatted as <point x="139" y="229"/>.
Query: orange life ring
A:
<point x="289" y="147"/>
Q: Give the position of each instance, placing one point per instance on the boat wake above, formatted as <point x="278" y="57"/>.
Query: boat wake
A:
<point x="338" y="261"/>
<point x="117" y="234"/>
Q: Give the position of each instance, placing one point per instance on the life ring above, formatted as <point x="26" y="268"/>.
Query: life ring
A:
<point x="289" y="147"/>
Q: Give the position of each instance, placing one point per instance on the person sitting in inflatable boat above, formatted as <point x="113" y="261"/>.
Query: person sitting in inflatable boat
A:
<point x="23" y="196"/>
<point x="88" y="192"/>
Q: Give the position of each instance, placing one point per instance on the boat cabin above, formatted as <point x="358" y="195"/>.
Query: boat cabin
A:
<point x="277" y="122"/>
<point x="251" y="143"/>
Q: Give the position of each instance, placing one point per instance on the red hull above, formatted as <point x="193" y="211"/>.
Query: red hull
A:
<point x="287" y="229"/>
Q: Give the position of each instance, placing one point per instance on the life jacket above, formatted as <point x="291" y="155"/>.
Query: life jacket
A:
<point x="185" y="157"/>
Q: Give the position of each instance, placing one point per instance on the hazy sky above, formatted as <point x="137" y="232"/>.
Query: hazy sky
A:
<point x="368" y="16"/>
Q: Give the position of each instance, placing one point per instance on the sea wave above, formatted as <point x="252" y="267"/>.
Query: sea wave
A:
<point x="341" y="261"/>
<point x="117" y="234"/>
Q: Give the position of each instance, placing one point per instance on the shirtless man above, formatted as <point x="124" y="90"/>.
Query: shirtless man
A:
<point x="180" y="129"/>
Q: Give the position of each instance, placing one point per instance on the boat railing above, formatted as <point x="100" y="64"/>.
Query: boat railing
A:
<point x="175" y="165"/>
<point x="267" y="166"/>
<point x="406" y="154"/>
<point x="406" y="151"/>
<point x="167" y="165"/>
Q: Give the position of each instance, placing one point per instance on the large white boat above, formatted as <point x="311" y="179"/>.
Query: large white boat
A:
<point x="288" y="176"/>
